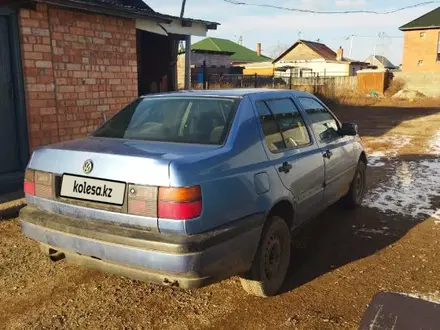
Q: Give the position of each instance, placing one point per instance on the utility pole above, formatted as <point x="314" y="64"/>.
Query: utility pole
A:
<point x="182" y="12"/>
<point x="187" y="84"/>
<point x="351" y="45"/>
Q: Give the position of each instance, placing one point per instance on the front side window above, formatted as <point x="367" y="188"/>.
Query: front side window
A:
<point x="282" y="124"/>
<point x="173" y="119"/>
<point x="324" y="124"/>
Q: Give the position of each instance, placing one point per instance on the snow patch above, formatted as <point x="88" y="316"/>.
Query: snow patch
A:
<point x="431" y="297"/>
<point x="394" y="142"/>
<point x="436" y="217"/>
<point x="410" y="191"/>
<point x="375" y="159"/>
<point x="382" y="231"/>
<point x="434" y="144"/>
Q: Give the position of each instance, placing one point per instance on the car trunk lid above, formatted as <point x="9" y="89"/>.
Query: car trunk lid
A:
<point x="117" y="164"/>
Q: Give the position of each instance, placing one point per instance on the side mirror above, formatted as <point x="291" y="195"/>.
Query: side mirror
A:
<point x="349" y="129"/>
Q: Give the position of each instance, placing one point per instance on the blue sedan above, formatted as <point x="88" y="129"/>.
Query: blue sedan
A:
<point x="188" y="188"/>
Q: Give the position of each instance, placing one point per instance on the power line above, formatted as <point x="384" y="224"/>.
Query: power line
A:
<point x="310" y="11"/>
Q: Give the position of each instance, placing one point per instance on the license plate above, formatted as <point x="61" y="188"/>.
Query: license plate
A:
<point x="89" y="189"/>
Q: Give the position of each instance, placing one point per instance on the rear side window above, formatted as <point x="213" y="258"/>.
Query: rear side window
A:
<point x="324" y="124"/>
<point x="282" y="124"/>
<point x="173" y="119"/>
<point x="274" y="139"/>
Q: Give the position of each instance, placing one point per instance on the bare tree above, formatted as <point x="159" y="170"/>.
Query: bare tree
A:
<point x="277" y="50"/>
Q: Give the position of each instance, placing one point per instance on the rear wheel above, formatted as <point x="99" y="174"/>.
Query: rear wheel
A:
<point x="271" y="262"/>
<point x="356" y="193"/>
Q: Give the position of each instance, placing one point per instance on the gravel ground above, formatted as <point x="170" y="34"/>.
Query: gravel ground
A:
<point x="341" y="259"/>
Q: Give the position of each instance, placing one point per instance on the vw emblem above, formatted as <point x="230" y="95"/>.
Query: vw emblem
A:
<point x="88" y="166"/>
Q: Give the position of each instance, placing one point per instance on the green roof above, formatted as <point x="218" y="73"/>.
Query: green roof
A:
<point x="427" y="21"/>
<point x="240" y="53"/>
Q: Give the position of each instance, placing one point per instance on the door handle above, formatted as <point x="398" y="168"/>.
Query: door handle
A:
<point x="286" y="167"/>
<point x="327" y="154"/>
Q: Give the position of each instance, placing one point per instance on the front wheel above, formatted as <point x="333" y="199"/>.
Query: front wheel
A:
<point x="271" y="262"/>
<point x="356" y="193"/>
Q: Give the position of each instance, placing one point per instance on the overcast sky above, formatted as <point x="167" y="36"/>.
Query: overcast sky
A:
<point x="276" y="28"/>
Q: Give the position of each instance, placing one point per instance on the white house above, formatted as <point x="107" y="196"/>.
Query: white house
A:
<point x="311" y="59"/>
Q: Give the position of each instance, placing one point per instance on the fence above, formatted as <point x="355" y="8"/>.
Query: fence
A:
<point x="320" y="85"/>
<point x="373" y="81"/>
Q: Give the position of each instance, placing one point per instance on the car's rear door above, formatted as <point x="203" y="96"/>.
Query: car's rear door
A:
<point x="294" y="153"/>
<point x="337" y="150"/>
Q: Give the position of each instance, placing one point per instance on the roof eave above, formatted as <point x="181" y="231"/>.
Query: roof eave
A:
<point x="202" y="51"/>
<point x="189" y="21"/>
<point x="285" y="52"/>
<point x="403" y="28"/>
<point x="126" y="12"/>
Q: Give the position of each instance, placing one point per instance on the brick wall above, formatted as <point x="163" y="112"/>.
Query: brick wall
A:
<point x="217" y="60"/>
<point x="77" y="66"/>
<point x="212" y="61"/>
<point x="419" y="47"/>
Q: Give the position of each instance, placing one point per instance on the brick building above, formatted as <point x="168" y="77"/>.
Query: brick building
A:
<point x="221" y="56"/>
<point x="67" y="65"/>
<point x="309" y="59"/>
<point x="209" y="62"/>
<point x="421" y="51"/>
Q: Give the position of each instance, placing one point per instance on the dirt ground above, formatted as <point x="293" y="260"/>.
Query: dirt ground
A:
<point x="340" y="261"/>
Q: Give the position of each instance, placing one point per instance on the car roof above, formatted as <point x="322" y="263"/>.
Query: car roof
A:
<point x="237" y="92"/>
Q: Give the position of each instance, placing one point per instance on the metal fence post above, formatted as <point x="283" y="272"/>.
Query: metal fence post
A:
<point x="256" y="82"/>
<point x="187" y="84"/>
<point x="205" y="78"/>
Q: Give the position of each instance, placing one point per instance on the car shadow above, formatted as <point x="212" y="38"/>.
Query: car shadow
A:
<point x="339" y="236"/>
<point x="375" y="121"/>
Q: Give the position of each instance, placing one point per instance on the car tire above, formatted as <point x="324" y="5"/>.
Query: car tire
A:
<point x="356" y="194"/>
<point x="271" y="261"/>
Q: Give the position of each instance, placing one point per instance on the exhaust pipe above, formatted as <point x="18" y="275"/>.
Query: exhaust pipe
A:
<point x="55" y="255"/>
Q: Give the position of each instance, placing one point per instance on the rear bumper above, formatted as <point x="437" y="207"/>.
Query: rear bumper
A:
<point x="184" y="261"/>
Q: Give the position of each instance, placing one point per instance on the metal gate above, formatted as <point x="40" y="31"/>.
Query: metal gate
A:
<point x="13" y="132"/>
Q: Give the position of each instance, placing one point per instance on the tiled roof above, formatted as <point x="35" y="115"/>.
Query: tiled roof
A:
<point x="138" y="4"/>
<point x="135" y="5"/>
<point x="240" y="53"/>
<point x="323" y="50"/>
<point x="380" y="60"/>
<point x="428" y="21"/>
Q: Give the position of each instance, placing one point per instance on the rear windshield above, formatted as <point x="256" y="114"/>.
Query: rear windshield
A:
<point x="174" y="119"/>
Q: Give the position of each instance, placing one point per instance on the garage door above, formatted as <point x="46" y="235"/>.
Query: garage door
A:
<point x="9" y="151"/>
<point x="14" y="150"/>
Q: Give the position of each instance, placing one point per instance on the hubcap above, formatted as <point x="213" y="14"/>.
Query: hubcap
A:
<point x="272" y="257"/>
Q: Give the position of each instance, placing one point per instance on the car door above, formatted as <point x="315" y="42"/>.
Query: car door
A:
<point x="294" y="153"/>
<point x="337" y="150"/>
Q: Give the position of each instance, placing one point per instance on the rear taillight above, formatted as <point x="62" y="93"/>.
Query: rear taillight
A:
<point x="180" y="203"/>
<point x="38" y="184"/>
<point x="142" y="200"/>
<point x="29" y="183"/>
<point x="43" y="184"/>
